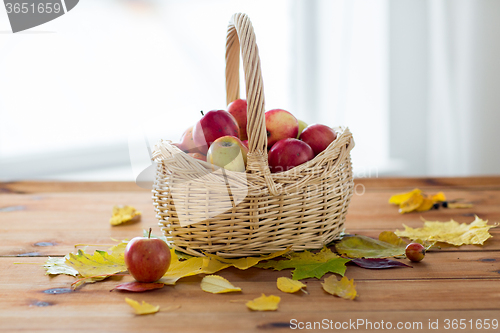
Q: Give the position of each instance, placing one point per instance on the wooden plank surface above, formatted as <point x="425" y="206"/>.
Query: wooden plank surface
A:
<point x="38" y="219"/>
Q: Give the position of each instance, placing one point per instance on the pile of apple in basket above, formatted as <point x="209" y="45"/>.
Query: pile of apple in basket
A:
<point x="220" y="138"/>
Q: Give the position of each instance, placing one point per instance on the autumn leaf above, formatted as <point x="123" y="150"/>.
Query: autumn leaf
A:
<point x="138" y="287"/>
<point x="378" y="263"/>
<point x="216" y="284"/>
<point x="247" y="262"/>
<point x="57" y="265"/>
<point x="210" y="266"/>
<point x="307" y="264"/>
<point x="412" y="203"/>
<point x="142" y="308"/>
<point x="450" y="232"/>
<point x="99" y="264"/>
<point x="424" y="206"/>
<point x="124" y="214"/>
<point x="207" y="265"/>
<point x="89" y="279"/>
<point x="119" y="249"/>
<point x="438" y="197"/>
<point x="416" y="200"/>
<point x="398" y="199"/>
<point x="344" y="288"/>
<point x="179" y="269"/>
<point x="391" y="238"/>
<point x="287" y="285"/>
<point x="454" y="205"/>
<point x="366" y="247"/>
<point x="264" y="303"/>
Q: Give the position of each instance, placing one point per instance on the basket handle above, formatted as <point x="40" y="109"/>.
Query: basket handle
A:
<point x="240" y="34"/>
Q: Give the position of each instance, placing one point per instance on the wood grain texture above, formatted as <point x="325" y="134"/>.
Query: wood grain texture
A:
<point x="450" y="283"/>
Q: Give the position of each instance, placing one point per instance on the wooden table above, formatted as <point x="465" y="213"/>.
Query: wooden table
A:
<point x="41" y="219"/>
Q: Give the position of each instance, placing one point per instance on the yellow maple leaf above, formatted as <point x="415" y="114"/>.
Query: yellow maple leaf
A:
<point x="216" y="284"/>
<point x="179" y="269"/>
<point x="412" y="203"/>
<point x="57" y="265"/>
<point x="264" y="303"/>
<point x="287" y="285"/>
<point x="119" y="248"/>
<point x="398" y="199"/>
<point x="99" y="264"/>
<point x="211" y="266"/>
<point x="142" y="309"/>
<point x="438" y="197"/>
<point x="344" y="288"/>
<point x="415" y="200"/>
<point x="427" y="204"/>
<point x="450" y="232"/>
<point x="124" y="214"/>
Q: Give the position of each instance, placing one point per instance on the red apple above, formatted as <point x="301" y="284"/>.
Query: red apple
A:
<point x="213" y="125"/>
<point x="245" y="143"/>
<point x="288" y="153"/>
<point x="187" y="142"/>
<point x="198" y="156"/>
<point x="238" y="109"/>
<point x="280" y="124"/>
<point x="318" y="137"/>
<point x="229" y="153"/>
<point x="147" y="258"/>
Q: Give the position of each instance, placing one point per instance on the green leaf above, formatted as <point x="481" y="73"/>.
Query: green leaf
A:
<point x="366" y="247"/>
<point x="317" y="270"/>
<point x="307" y="264"/>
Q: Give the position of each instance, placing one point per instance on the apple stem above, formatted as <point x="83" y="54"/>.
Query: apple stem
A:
<point x="202" y="113"/>
<point x="149" y="235"/>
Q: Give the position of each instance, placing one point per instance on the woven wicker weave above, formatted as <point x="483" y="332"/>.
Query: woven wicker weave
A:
<point x="237" y="214"/>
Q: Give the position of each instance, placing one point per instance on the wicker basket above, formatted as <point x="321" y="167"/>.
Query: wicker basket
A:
<point x="237" y="214"/>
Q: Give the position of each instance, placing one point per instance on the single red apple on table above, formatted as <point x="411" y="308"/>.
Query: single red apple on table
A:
<point x="280" y="124"/>
<point x="288" y="153"/>
<point x="213" y="125"/>
<point x="318" y="137"/>
<point x="238" y="109"/>
<point x="229" y="153"/>
<point x="147" y="258"/>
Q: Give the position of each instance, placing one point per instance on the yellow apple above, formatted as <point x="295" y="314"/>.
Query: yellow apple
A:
<point x="228" y="152"/>
<point x="302" y="125"/>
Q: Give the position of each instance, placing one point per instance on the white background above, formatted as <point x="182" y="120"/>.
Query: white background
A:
<point x="75" y="91"/>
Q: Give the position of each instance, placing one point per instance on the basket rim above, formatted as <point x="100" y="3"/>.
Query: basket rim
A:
<point x="340" y="130"/>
